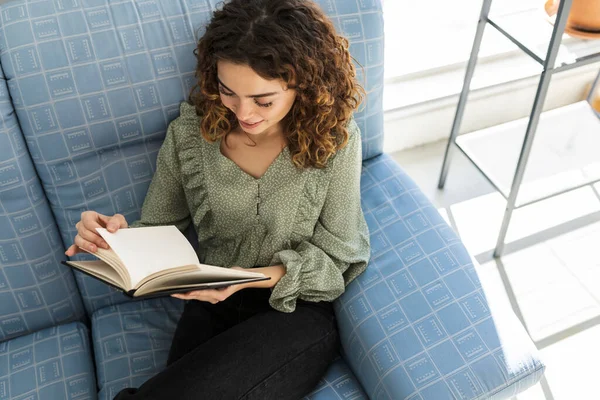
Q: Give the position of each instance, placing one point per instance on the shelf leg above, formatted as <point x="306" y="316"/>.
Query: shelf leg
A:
<point x="538" y="104"/>
<point x="483" y="18"/>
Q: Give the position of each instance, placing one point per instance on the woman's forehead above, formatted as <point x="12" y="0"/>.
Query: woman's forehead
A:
<point x="242" y="78"/>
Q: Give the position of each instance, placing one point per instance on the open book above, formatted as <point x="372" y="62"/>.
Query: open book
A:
<point x="156" y="261"/>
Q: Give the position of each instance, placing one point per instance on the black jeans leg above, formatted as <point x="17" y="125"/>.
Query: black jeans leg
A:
<point x="268" y="355"/>
<point x="201" y="321"/>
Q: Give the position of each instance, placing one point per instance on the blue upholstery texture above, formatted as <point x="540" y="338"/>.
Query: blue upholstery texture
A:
<point x="132" y="341"/>
<point x="95" y="84"/>
<point x="417" y="323"/>
<point x="36" y="291"/>
<point x="338" y="383"/>
<point x="51" y="364"/>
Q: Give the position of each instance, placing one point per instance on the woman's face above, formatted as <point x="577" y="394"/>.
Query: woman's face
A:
<point x="258" y="104"/>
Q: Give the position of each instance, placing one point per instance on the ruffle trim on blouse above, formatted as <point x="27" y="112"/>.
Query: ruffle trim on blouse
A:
<point x="309" y="207"/>
<point x="312" y="198"/>
<point x="192" y="148"/>
<point x="189" y="149"/>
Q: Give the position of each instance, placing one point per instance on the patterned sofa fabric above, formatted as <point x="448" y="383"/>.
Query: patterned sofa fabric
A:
<point x="51" y="364"/>
<point x="96" y="82"/>
<point x="131" y="342"/>
<point x="417" y="324"/>
<point x="338" y="383"/>
<point x="36" y="291"/>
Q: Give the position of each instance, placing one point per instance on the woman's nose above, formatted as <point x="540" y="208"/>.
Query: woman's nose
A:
<point x="244" y="111"/>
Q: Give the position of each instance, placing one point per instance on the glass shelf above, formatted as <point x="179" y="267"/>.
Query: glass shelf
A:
<point x="565" y="153"/>
<point x="531" y="30"/>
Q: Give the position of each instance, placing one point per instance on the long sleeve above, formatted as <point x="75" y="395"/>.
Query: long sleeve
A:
<point x="165" y="202"/>
<point x="320" y="268"/>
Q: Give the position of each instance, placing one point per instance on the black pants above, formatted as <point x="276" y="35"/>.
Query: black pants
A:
<point x="242" y="348"/>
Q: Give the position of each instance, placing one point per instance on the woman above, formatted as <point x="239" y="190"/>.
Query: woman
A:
<point x="265" y="162"/>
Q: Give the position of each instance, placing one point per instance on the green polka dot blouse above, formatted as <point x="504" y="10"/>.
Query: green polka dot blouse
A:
<point x="308" y="220"/>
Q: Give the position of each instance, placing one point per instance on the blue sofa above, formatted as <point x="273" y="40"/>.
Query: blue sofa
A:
<point x="87" y="89"/>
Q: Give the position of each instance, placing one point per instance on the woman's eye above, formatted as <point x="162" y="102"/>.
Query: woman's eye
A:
<point x="226" y="93"/>
<point x="263" y="104"/>
<point x="229" y="94"/>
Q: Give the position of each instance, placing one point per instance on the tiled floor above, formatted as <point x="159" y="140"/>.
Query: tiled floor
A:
<point x="550" y="269"/>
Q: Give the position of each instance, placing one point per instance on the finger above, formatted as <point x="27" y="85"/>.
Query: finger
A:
<point x="206" y="294"/>
<point x="87" y="229"/>
<point x="92" y="236"/>
<point x="190" y="296"/>
<point x="216" y="294"/>
<point x="210" y="295"/>
<point x="72" y="250"/>
<point x="116" y="222"/>
<point x="84" y="244"/>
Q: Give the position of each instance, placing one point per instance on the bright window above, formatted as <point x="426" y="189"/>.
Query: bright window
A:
<point x="423" y="36"/>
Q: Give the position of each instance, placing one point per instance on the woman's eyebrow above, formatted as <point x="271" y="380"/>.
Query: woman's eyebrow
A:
<point x="254" y="96"/>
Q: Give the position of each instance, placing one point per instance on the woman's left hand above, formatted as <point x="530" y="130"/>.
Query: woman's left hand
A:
<point x="213" y="296"/>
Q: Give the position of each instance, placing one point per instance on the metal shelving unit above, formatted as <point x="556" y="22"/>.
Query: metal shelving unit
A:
<point x="571" y="149"/>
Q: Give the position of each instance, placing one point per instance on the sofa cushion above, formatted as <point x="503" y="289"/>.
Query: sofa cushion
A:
<point x="338" y="383"/>
<point x="132" y="341"/>
<point x="52" y="364"/>
<point x="36" y="291"/>
<point x="421" y="321"/>
<point x="95" y="84"/>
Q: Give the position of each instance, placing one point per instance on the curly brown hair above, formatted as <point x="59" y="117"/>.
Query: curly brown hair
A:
<point x="291" y="40"/>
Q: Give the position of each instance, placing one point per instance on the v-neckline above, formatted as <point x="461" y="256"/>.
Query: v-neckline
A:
<point x="246" y="174"/>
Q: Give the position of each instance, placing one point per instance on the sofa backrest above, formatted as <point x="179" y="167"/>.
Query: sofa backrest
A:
<point x="95" y="84"/>
<point x="36" y="291"/>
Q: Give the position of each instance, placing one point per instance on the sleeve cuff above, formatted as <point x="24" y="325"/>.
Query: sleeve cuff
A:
<point x="310" y="278"/>
<point x="286" y="291"/>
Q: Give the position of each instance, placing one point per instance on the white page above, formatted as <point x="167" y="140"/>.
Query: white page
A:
<point x="150" y="249"/>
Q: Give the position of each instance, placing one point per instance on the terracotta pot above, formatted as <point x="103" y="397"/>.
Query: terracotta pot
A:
<point x="584" y="18"/>
<point x="584" y="15"/>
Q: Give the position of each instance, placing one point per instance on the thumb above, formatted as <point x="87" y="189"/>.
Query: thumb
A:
<point x="103" y="219"/>
<point x="72" y="250"/>
<point x="108" y="223"/>
<point x="112" y="225"/>
<point x="115" y="223"/>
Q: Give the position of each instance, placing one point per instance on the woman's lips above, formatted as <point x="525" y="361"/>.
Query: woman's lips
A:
<point x="249" y="126"/>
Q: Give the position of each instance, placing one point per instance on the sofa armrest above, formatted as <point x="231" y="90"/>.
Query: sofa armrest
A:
<point x="422" y="322"/>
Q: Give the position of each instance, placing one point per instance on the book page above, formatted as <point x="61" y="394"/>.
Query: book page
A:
<point x="205" y="275"/>
<point x="101" y="270"/>
<point x="200" y="273"/>
<point x="145" y="251"/>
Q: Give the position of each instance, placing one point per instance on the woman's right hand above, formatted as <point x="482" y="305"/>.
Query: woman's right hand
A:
<point x="88" y="238"/>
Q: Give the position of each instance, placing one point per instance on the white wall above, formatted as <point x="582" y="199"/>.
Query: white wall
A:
<point x="432" y="121"/>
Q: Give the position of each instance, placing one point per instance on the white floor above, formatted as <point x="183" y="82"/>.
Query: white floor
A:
<point x="550" y="269"/>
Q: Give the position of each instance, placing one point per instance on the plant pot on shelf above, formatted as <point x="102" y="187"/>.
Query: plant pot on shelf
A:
<point x="584" y="18"/>
<point x="595" y="100"/>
